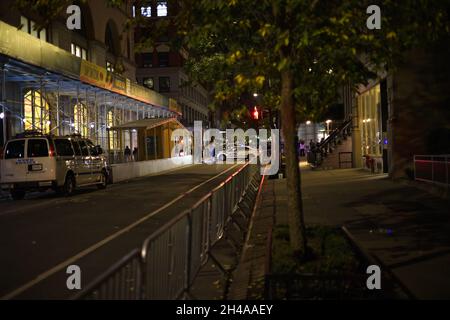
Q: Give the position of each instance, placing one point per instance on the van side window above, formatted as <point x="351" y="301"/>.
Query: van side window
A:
<point x="37" y="148"/>
<point x="63" y="147"/>
<point x="15" y="150"/>
<point x="84" y="148"/>
<point x="76" y="148"/>
<point x="92" y="149"/>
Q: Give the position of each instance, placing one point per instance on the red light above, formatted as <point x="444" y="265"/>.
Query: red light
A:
<point x="255" y="114"/>
<point x="51" y="153"/>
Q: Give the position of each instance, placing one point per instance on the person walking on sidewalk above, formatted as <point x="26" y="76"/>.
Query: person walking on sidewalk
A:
<point x="127" y="154"/>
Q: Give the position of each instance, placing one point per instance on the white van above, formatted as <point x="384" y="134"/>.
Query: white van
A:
<point x="39" y="162"/>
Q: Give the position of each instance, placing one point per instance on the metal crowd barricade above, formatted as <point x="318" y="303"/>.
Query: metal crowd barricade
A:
<point x="164" y="259"/>
<point x="432" y="168"/>
<point x="171" y="258"/>
<point x="122" y="281"/>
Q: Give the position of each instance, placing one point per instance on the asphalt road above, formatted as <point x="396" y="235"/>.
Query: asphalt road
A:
<point x="44" y="233"/>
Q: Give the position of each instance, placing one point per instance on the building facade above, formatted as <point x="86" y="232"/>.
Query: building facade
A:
<point x="60" y="81"/>
<point x="404" y="113"/>
<point x="160" y="68"/>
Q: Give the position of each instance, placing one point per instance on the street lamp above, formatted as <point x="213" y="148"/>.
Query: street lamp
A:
<point x="308" y="122"/>
<point x="328" y="122"/>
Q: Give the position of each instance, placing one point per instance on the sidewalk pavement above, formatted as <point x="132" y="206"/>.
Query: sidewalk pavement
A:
<point x="248" y="278"/>
<point x="407" y="228"/>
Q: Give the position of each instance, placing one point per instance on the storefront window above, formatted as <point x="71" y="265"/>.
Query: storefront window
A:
<point x="369" y="120"/>
<point x="36" y="112"/>
<point x="80" y="115"/>
<point x="113" y="145"/>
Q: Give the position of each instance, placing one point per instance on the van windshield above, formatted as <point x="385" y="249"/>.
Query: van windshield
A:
<point x="15" y="149"/>
<point x="37" y="148"/>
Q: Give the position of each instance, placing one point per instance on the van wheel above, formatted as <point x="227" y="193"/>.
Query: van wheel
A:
<point x="223" y="158"/>
<point x="69" y="186"/>
<point x="18" y="194"/>
<point x="103" y="180"/>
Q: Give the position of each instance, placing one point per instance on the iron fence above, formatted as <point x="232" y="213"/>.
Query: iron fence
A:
<point x="432" y="168"/>
<point x="170" y="258"/>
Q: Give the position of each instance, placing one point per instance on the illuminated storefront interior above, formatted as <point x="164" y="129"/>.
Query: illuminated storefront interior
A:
<point x="369" y="122"/>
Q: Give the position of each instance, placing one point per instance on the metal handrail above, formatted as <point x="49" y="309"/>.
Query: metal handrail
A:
<point x="429" y="168"/>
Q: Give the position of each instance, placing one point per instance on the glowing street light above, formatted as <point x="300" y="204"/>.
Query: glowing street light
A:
<point x="328" y="122"/>
<point x="2" y="115"/>
<point x="308" y="122"/>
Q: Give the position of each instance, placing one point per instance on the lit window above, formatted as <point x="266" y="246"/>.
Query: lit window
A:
<point x="110" y="121"/>
<point x="36" y="111"/>
<point x="109" y="66"/>
<point x="80" y="115"/>
<point x="148" y="82"/>
<point x="161" y="9"/>
<point x="78" y="51"/>
<point x="146" y="11"/>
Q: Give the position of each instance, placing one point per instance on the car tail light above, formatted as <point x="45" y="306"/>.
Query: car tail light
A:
<point x="52" y="149"/>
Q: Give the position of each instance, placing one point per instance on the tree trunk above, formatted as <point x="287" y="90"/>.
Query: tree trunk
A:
<point x="295" y="204"/>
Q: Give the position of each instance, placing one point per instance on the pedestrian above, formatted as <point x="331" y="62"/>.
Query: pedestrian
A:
<point x="211" y="150"/>
<point x="135" y="154"/>
<point x="181" y="147"/>
<point x="312" y="145"/>
<point x="302" y="148"/>
<point x="127" y="153"/>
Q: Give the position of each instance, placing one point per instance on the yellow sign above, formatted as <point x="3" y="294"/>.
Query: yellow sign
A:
<point x="93" y="74"/>
<point x="173" y="105"/>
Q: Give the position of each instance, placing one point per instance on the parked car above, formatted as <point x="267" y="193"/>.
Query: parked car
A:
<point x="243" y="154"/>
<point x="33" y="162"/>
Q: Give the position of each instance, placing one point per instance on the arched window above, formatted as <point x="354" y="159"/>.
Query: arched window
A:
<point x="111" y="38"/>
<point x="110" y="121"/>
<point x="36" y="112"/>
<point x="80" y="115"/>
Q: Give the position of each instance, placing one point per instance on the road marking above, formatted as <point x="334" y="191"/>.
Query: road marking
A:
<point x="101" y="243"/>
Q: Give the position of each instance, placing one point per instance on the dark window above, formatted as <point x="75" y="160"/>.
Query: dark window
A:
<point x="76" y="148"/>
<point x="164" y="84"/>
<point x="163" y="59"/>
<point x="92" y="149"/>
<point x="152" y="147"/>
<point x="109" y="40"/>
<point x="63" y="147"/>
<point x="15" y="150"/>
<point x="84" y="149"/>
<point x="149" y="83"/>
<point x="147" y="60"/>
<point x="37" y="148"/>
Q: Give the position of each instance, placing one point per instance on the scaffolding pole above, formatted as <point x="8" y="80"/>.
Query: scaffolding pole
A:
<point x="58" y="121"/>
<point x="3" y="102"/>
